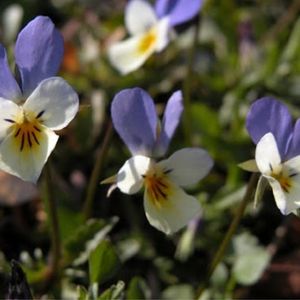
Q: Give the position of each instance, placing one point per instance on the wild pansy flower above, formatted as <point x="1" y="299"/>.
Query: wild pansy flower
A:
<point x="277" y="154"/>
<point x="167" y="206"/>
<point x="38" y="104"/>
<point x="149" y="29"/>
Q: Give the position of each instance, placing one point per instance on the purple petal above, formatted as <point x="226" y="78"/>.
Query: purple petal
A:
<point x="170" y="122"/>
<point x="179" y="11"/>
<point x="269" y="115"/>
<point x="9" y="88"/>
<point x="38" y="52"/>
<point x="134" y="118"/>
<point x="294" y="145"/>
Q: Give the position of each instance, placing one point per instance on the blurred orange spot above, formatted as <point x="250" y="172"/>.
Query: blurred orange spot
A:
<point x="70" y="61"/>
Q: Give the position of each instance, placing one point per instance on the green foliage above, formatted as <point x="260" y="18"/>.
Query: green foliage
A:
<point x="86" y="238"/>
<point x="137" y="289"/>
<point x="115" y="292"/>
<point x="82" y="293"/>
<point x="103" y="262"/>
<point x="251" y="259"/>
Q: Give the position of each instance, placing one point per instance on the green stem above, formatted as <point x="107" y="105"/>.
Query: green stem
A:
<point x="54" y="224"/>
<point x="94" y="179"/>
<point x="187" y="86"/>
<point x="231" y="230"/>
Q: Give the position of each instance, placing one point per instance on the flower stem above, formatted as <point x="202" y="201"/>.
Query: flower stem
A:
<point x="187" y="86"/>
<point x="231" y="230"/>
<point x="54" y="224"/>
<point x="94" y="179"/>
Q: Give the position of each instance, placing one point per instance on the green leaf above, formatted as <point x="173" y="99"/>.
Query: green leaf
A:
<point x="220" y="276"/>
<point x="249" y="165"/>
<point x="79" y="246"/>
<point x="128" y="248"/>
<point x="103" y="262"/>
<point x="180" y="291"/>
<point x="290" y="54"/>
<point x="82" y="293"/>
<point x="137" y="289"/>
<point x="185" y="245"/>
<point x="251" y="259"/>
<point x="115" y="292"/>
<point x="249" y="268"/>
<point x="244" y="243"/>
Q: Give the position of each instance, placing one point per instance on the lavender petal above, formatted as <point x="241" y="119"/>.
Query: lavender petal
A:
<point x="38" y="52"/>
<point x="269" y="115"/>
<point x="173" y="111"/>
<point x="179" y="11"/>
<point x="9" y="88"/>
<point x="134" y="118"/>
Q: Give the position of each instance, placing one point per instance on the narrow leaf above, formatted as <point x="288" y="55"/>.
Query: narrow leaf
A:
<point x="260" y="189"/>
<point x="79" y="246"/>
<point x="249" y="165"/>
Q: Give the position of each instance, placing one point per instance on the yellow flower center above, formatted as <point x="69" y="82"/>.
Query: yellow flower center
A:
<point x="284" y="181"/>
<point x="158" y="186"/>
<point x="147" y="41"/>
<point x="26" y="130"/>
<point x="284" y="177"/>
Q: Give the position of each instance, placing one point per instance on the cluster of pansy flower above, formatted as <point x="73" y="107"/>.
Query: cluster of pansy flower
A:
<point x="150" y="29"/>
<point x="168" y="208"/>
<point x="277" y="155"/>
<point x="35" y="105"/>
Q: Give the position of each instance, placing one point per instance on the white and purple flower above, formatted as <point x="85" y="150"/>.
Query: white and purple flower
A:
<point x="149" y="27"/>
<point x="277" y="154"/>
<point x="167" y="206"/>
<point x="36" y="105"/>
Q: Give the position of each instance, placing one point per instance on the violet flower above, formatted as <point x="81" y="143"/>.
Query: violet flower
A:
<point x="149" y="27"/>
<point x="277" y="155"/>
<point x="168" y="208"/>
<point x="38" y="104"/>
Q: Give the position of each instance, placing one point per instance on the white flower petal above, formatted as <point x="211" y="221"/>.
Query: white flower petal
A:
<point x="127" y="56"/>
<point x="27" y="163"/>
<point x="55" y="99"/>
<point x="284" y="201"/>
<point x="187" y="166"/>
<point x="174" y="212"/>
<point x="267" y="155"/>
<point x="278" y="193"/>
<point x="293" y="165"/>
<point x="292" y="171"/>
<point x="292" y="198"/>
<point x="163" y="38"/>
<point x="129" y="178"/>
<point x="9" y="111"/>
<point x="139" y="16"/>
